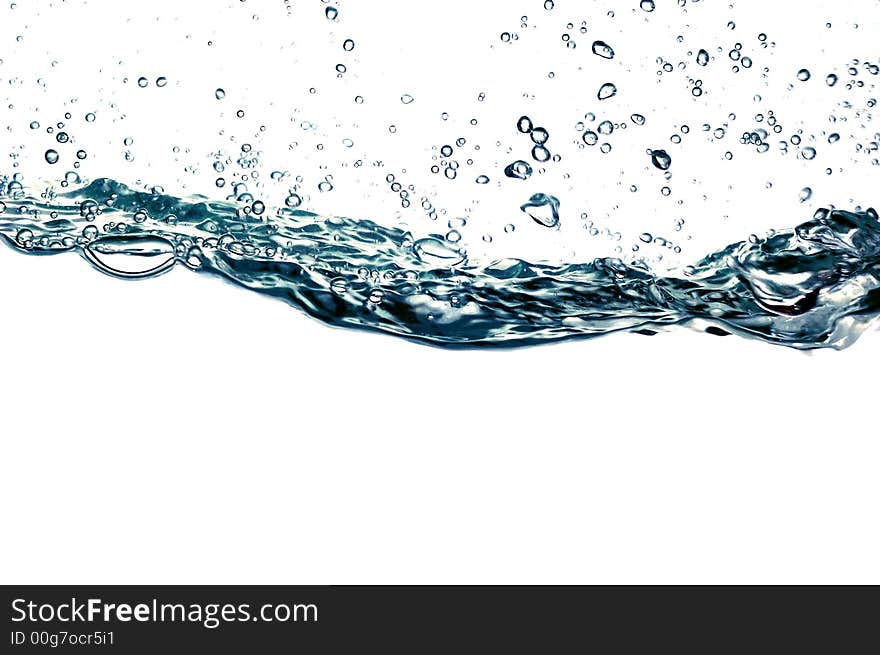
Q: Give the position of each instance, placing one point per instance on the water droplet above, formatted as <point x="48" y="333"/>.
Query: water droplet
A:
<point x="808" y="153"/>
<point x="293" y="200"/>
<point x="131" y="255"/>
<point x="24" y="238"/>
<point x="437" y="253"/>
<point x="161" y="81"/>
<point x="803" y="75"/>
<point x="219" y="94"/>
<point x="602" y="49"/>
<point x="142" y="82"/>
<point x="831" y="80"/>
<point x="540" y="154"/>
<point x="607" y="90"/>
<point x="483" y="179"/>
<point x="406" y="98"/>
<point x="590" y="138"/>
<point x="90" y="117"/>
<point x="524" y="124"/>
<point x="647" y="5"/>
<point x="661" y="159"/>
<point x="519" y="170"/>
<point x="543" y="209"/>
<point x="805" y="194"/>
<point x="539" y="135"/>
<point x="52" y="156"/>
<point x="703" y="58"/>
<point x="348" y="45"/>
<point x="637" y="119"/>
<point x="331" y="13"/>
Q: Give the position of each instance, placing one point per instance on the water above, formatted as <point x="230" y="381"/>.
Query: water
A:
<point x="701" y="179"/>
<point x="815" y="285"/>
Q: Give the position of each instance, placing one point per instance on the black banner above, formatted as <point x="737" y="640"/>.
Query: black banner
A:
<point x="241" y="619"/>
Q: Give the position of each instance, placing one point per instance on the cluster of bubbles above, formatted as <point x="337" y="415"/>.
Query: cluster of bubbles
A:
<point x="612" y="117"/>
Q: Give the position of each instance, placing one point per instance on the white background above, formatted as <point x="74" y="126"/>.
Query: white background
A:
<point x="242" y="442"/>
<point x="181" y="430"/>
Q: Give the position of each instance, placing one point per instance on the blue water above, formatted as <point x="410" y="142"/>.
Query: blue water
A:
<point x="814" y="285"/>
<point x="349" y="169"/>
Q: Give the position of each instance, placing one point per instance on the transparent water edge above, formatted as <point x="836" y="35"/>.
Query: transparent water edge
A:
<point x="815" y="285"/>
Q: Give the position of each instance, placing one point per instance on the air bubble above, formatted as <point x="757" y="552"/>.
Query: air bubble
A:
<point x="661" y="159"/>
<point x="524" y="124"/>
<point x="602" y="49"/>
<point x="607" y="90"/>
<point x="518" y="170"/>
<point x="543" y="209"/>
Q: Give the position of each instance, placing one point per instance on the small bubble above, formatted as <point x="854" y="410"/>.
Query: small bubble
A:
<point x="637" y="119"/>
<point x="331" y="13"/>
<point x="518" y="170"/>
<point x="647" y="5"/>
<point x="803" y="75"/>
<point x="808" y="153"/>
<point x="805" y="194"/>
<point x="219" y="94"/>
<point x="661" y="159"/>
<point x="62" y="137"/>
<point x="831" y="80"/>
<point x="607" y="90"/>
<point x="25" y="238"/>
<point x="524" y="124"/>
<point x="702" y="57"/>
<point x="161" y="81"/>
<point x="90" y="117"/>
<point x="406" y="98"/>
<point x="602" y="49"/>
<point x="142" y="82"/>
<point x="483" y="179"/>
<point x="543" y="209"/>
<point x="540" y="154"/>
<point x="51" y="156"/>
<point x="293" y="201"/>
<point x="540" y="135"/>
<point x="348" y="45"/>
<point x="81" y="154"/>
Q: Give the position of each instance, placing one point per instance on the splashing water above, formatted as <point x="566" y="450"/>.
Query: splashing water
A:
<point x="817" y="285"/>
<point x="444" y="266"/>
